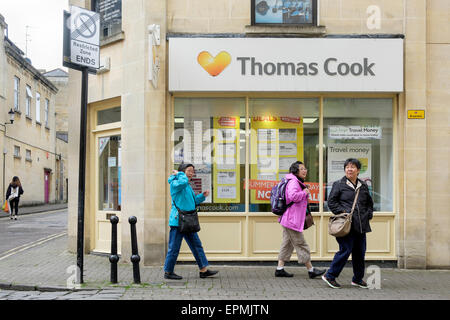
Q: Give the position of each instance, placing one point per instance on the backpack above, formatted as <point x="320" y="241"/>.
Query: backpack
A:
<point x="278" y="198"/>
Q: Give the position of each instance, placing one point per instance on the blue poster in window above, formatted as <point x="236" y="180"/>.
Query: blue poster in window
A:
<point x="283" y="11"/>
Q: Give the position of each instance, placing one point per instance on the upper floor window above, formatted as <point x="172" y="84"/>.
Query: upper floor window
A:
<point x="46" y="112"/>
<point x="16" y="151"/>
<point x="38" y="107"/>
<point x="16" y="93"/>
<point x="110" y="16"/>
<point x="29" y="96"/>
<point x="284" y="12"/>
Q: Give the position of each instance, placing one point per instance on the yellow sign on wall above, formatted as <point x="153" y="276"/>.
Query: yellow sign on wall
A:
<point x="416" y="114"/>
<point x="276" y="143"/>
<point x="226" y="160"/>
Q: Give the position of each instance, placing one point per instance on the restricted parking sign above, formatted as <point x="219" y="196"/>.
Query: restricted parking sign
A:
<point x="84" y="37"/>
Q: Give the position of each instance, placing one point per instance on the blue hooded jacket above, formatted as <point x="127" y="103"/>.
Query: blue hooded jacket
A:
<point x="183" y="195"/>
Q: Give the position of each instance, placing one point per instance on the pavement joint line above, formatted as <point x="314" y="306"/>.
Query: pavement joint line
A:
<point x="33" y="244"/>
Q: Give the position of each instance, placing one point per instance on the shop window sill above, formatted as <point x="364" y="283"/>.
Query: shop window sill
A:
<point x="283" y="30"/>
<point x="112" y="39"/>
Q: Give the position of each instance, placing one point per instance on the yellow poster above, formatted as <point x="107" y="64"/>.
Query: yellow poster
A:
<point x="226" y="160"/>
<point x="276" y="143"/>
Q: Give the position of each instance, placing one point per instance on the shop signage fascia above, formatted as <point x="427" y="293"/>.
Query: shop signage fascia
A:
<point x="285" y="65"/>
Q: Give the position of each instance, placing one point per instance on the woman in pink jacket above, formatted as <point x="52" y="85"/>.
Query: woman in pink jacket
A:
<point x="292" y="222"/>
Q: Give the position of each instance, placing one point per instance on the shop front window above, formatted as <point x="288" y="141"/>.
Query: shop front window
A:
<point x="282" y="131"/>
<point x="210" y="134"/>
<point x="109" y="165"/>
<point x="362" y="129"/>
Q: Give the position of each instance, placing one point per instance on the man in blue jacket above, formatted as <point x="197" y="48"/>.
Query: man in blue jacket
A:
<point x="185" y="199"/>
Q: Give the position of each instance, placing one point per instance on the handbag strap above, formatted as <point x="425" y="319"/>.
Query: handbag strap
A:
<point x="354" y="201"/>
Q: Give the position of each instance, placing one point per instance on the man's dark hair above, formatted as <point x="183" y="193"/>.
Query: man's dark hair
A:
<point x="353" y="161"/>
<point x="295" y="167"/>
<point x="183" y="166"/>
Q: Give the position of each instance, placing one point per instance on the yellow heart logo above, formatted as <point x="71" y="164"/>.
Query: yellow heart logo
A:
<point x="214" y="65"/>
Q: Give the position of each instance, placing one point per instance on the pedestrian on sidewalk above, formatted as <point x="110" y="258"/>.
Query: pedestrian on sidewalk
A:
<point x="292" y="221"/>
<point x="341" y="200"/>
<point x="185" y="199"/>
<point x="13" y="194"/>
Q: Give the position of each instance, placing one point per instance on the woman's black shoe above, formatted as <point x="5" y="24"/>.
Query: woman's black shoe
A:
<point x="207" y="273"/>
<point x="172" y="276"/>
<point x="316" y="273"/>
<point x="283" y="273"/>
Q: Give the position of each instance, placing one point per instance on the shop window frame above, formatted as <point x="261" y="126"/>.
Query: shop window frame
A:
<point x="321" y="98"/>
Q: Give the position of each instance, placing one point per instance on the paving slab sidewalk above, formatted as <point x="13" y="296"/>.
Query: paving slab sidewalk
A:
<point x="48" y="267"/>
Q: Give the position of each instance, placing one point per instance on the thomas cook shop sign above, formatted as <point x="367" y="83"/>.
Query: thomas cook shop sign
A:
<point x="289" y="65"/>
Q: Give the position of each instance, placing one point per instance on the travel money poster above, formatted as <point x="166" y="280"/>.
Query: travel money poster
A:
<point x="226" y="172"/>
<point x="339" y="152"/>
<point x="276" y="142"/>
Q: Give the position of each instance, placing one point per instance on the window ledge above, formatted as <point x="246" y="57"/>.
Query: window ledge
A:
<point x="294" y="30"/>
<point x="18" y="112"/>
<point x="47" y="128"/>
<point x="112" y="39"/>
<point x="17" y="157"/>
<point x="37" y="122"/>
<point x="28" y="118"/>
<point x="29" y="160"/>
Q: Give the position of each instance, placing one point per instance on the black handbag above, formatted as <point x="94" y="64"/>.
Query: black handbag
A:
<point x="188" y="220"/>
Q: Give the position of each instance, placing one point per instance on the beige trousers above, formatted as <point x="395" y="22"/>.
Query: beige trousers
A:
<point x="294" y="240"/>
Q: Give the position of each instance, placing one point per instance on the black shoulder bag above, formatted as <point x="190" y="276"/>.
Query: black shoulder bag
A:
<point x="188" y="220"/>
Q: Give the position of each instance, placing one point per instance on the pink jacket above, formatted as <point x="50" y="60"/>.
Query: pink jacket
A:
<point x="294" y="217"/>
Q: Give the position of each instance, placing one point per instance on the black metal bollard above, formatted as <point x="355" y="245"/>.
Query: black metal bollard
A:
<point x="134" y="250"/>
<point x="114" y="258"/>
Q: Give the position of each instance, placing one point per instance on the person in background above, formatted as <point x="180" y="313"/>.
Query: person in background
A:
<point x="292" y="222"/>
<point x="185" y="199"/>
<point x="341" y="200"/>
<point x="13" y="194"/>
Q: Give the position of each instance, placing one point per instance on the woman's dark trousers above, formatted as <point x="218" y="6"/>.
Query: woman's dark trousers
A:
<point x="355" y="244"/>
<point x="14" y="203"/>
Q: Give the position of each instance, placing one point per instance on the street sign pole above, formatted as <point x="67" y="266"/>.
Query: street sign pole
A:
<point x="81" y="51"/>
<point x="82" y="172"/>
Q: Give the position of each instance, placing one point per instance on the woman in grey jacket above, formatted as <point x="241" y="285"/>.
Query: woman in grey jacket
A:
<point x="341" y="200"/>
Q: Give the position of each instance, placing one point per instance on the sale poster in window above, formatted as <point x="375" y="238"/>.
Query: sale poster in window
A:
<point x="276" y="143"/>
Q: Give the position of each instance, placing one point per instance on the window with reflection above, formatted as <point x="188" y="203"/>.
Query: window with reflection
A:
<point x="362" y="129"/>
<point x="109" y="170"/>
<point x="210" y="134"/>
<point x="282" y="132"/>
<point x="284" y="12"/>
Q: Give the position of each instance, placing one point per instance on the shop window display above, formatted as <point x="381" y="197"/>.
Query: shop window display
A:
<point x="282" y="131"/>
<point x="210" y="134"/>
<point x="362" y="129"/>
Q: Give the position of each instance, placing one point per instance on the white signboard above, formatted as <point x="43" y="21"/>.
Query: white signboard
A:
<point x="84" y="37"/>
<point x="354" y="132"/>
<point x="276" y="64"/>
<point x="339" y="152"/>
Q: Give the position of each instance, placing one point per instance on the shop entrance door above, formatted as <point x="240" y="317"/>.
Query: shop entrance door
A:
<point x="46" y="186"/>
<point x="108" y="200"/>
